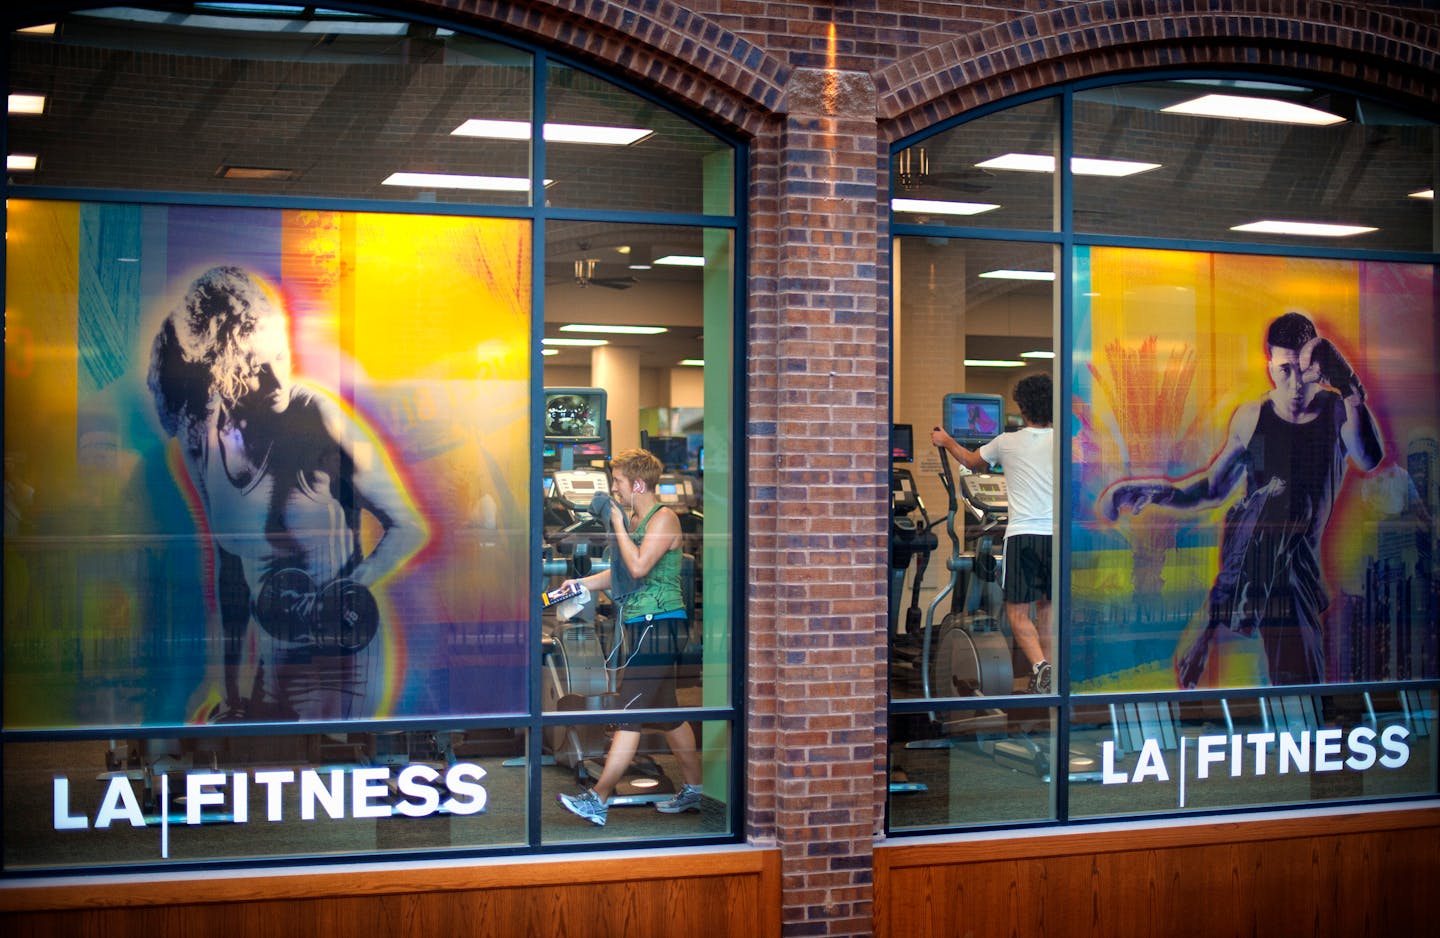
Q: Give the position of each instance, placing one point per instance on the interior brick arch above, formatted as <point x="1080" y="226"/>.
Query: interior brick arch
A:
<point x="1370" y="50"/>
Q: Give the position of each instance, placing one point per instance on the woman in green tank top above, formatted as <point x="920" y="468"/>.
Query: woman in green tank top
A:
<point x="655" y="620"/>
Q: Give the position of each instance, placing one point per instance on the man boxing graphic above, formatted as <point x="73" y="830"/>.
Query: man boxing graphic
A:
<point x="1292" y="448"/>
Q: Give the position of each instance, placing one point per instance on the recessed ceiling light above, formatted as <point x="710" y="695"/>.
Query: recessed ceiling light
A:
<point x="1245" y="108"/>
<point x="1079" y="165"/>
<point x="1310" y="228"/>
<point x="1018" y="275"/>
<point x="21" y="162"/>
<point x="940" y="207"/>
<point x="1423" y="194"/>
<point x="452" y="181"/>
<point x="680" y="260"/>
<point x="597" y="134"/>
<point x="582" y="343"/>
<point x="613" y="330"/>
<point x="993" y="363"/>
<point x="695" y="362"/>
<point x="1037" y="353"/>
<point x="27" y="104"/>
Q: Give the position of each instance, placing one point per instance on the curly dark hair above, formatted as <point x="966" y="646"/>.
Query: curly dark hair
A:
<point x="1290" y="331"/>
<point x="1034" y="395"/>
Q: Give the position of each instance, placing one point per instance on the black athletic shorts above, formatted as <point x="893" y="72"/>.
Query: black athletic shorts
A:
<point x="1027" y="568"/>
<point x="648" y="683"/>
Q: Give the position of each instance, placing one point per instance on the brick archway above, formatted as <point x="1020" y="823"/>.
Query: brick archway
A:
<point x="1373" y="51"/>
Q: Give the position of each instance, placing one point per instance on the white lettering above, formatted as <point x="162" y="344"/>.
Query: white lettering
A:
<point x="1327" y="751"/>
<point x="274" y="782"/>
<point x="1152" y="762"/>
<point x="64" y="820"/>
<point x="1262" y="742"/>
<point x="1294" y="752"/>
<point x="120" y="803"/>
<point x="240" y="798"/>
<point x="417" y="781"/>
<point x="461" y="779"/>
<point x="366" y="785"/>
<point x="1397" y="750"/>
<point x="1211" y="750"/>
<point x="1237" y="756"/>
<point x="198" y="794"/>
<point x="313" y="790"/>
<point x="1362" y="749"/>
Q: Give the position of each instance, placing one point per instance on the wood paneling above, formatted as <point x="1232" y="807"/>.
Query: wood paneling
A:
<point x="706" y="892"/>
<point x="1342" y="875"/>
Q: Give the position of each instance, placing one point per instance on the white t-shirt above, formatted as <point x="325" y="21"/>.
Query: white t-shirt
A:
<point x="1028" y="457"/>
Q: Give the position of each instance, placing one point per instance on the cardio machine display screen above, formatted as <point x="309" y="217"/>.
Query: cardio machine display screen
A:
<point x="973" y="419"/>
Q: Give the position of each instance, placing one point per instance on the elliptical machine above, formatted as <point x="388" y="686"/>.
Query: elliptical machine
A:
<point x="969" y="654"/>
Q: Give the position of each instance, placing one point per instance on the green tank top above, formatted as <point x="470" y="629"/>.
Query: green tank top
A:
<point x="660" y="589"/>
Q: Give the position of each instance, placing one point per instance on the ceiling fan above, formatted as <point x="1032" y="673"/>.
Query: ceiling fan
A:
<point x="585" y="276"/>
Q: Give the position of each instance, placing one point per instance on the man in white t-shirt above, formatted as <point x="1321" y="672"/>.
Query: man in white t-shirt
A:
<point x="1027" y="457"/>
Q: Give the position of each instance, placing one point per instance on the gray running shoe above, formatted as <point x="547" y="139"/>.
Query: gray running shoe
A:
<point x="586" y="805"/>
<point x="686" y="799"/>
<point x="1042" y="679"/>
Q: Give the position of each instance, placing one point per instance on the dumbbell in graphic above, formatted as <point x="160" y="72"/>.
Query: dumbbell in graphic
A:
<point x="339" y="618"/>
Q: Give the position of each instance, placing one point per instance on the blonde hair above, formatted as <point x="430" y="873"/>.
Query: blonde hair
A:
<point x="639" y="465"/>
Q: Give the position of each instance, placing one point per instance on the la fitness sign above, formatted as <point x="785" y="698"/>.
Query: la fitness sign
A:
<point x="338" y="793"/>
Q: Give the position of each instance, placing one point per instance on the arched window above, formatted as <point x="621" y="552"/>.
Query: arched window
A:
<point x="1230" y="285"/>
<point x="317" y="356"/>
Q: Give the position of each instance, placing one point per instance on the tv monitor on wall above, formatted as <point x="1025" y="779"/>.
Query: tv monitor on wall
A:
<point x="973" y="419"/>
<point x="574" y="415"/>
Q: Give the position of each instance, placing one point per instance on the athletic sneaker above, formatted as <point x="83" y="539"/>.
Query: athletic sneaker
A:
<point x="587" y="805"/>
<point x="1042" y="679"/>
<point x="686" y="799"/>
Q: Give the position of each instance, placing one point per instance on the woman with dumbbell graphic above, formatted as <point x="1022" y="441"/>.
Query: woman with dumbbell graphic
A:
<point x="285" y="474"/>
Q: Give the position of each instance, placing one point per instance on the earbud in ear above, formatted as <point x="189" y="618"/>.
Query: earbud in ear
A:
<point x="638" y="488"/>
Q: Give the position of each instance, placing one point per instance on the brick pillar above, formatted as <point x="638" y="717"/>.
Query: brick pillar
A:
<point x="830" y="504"/>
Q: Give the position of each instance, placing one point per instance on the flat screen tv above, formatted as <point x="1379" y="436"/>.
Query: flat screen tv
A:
<point x="574" y="415"/>
<point x="972" y="419"/>
<point x="902" y="442"/>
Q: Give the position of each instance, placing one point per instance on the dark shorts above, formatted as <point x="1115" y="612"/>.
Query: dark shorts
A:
<point x="654" y="650"/>
<point x="1027" y="568"/>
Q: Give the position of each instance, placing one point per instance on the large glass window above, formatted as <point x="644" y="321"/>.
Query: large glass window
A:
<point x="1244" y="608"/>
<point x="289" y="464"/>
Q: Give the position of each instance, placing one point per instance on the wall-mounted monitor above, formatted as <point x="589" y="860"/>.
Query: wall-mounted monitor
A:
<point x="574" y="415"/>
<point x="972" y="419"/>
<point x="672" y="451"/>
<point x="902" y="442"/>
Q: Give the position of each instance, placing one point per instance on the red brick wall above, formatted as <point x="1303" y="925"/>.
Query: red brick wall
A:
<point x="818" y="332"/>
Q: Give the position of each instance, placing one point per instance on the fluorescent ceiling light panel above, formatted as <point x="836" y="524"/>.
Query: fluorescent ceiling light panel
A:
<point x="1245" y="108"/>
<point x="694" y="362"/>
<point x="680" y="260"/>
<point x="1310" y="228"/>
<point x="549" y="351"/>
<point x="1423" y="194"/>
<point x="993" y="363"/>
<point x="27" y="104"/>
<point x="940" y="207"/>
<point x="1079" y="165"/>
<point x="1037" y="353"/>
<point x="21" y="162"/>
<point x="451" y="181"/>
<point x="581" y="343"/>
<point x="613" y="330"/>
<point x="598" y="134"/>
<point x="1018" y="275"/>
